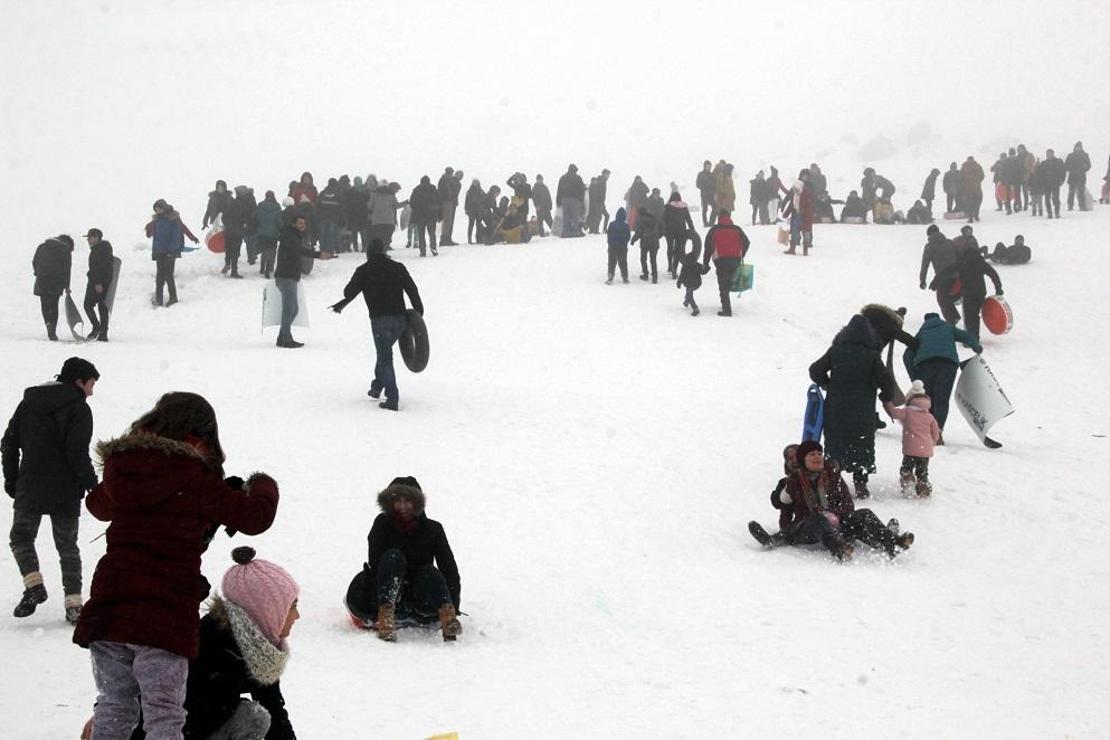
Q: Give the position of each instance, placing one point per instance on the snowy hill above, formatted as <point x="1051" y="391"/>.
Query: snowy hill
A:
<point x="595" y="454"/>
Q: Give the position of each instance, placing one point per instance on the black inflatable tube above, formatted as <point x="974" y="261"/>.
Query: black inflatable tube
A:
<point x="414" y="342"/>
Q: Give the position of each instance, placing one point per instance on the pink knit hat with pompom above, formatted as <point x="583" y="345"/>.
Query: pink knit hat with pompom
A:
<point x="262" y="589"/>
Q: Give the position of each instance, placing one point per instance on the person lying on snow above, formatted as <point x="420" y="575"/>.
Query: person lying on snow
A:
<point x="815" y="506"/>
<point x="1016" y="254"/>
<point x="399" y="581"/>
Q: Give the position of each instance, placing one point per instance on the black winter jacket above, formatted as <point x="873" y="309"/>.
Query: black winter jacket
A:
<point x="218" y="678"/>
<point x="425" y="204"/>
<point x="45" y="450"/>
<point x="541" y="197"/>
<point x="291" y="250"/>
<point x="100" y="264"/>
<point x="381" y="282"/>
<point x="691" y="272"/>
<point x="51" y="264"/>
<point x="426" y="545"/>
<point x="570" y="186"/>
<point x="972" y="270"/>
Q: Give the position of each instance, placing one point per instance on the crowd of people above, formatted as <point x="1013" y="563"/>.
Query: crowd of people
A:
<point x="162" y="669"/>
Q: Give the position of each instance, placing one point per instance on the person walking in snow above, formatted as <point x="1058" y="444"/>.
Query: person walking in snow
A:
<point x="1053" y="174"/>
<point x="101" y="269"/>
<point x="971" y="270"/>
<point x="47" y="470"/>
<point x="51" y="265"/>
<point x="950" y="183"/>
<point x="726" y="244"/>
<point x="647" y="233"/>
<point x="851" y="371"/>
<point x="929" y="190"/>
<point x="677" y="225"/>
<point x="382" y="281"/>
<point x="971" y="186"/>
<point x="570" y="195"/>
<point x="167" y="233"/>
<point x="164" y="494"/>
<point x="689" y="277"/>
<point x="935" y="362"/>
<point x="618" y="236"/>
<point x="920" y="434"/>
<point x="940" y="253"/>
<point x="410" y="571"/>
<point x="267" y="215"/>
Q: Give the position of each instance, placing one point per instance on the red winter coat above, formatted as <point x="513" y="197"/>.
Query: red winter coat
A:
<point x="804" y="500"/>
<point x="920" y="430"/>
<point x="161" y="498"/>
<point x="726" y="239"/>
<point x="806" y="203"/>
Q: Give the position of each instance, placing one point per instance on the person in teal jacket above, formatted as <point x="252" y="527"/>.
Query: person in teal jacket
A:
<point x="268" y="216"/>
<point x="934" y="362"/>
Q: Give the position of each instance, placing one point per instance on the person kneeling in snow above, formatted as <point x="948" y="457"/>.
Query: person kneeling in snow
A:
<point x="242" y="651"/>
<point x="398" y="580"/>
<point x="818" y="508"/>
<point x="920" y="433"/>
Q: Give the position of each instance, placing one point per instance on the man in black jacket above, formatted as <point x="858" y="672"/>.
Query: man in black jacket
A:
<point x="1052" y="172"/>
<point x="448" y="188"/>
<point x="541" y="197"/>
<point x="47" y="470"/>
<point x="570" y="195"/>
<point x="426" y="206"/>
<point x="382" y="282"/>
<point x="706" y="186"/>
<point x="100" y="279"/>
<point x="1077" y="164"/>
<point x="287" y="273"/>
<point x="51" y="264"/>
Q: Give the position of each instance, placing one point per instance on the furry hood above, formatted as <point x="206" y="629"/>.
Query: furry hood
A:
<point x="148" y="442"/>
<point x="397" y="490"/>
<point x="887" y="311"/>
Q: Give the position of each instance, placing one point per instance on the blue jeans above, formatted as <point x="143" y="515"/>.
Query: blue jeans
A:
<point x="387" y="330"/>
<point x="329" y="236"/>
<point x="288" y="289"/>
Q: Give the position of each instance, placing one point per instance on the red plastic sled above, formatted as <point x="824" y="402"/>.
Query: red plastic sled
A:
<point x="997" y="316"/>
<point x="214" y="240"/>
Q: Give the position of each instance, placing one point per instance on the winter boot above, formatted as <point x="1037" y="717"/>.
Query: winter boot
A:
<point x="644" y="277"/>
<point x="940" y="440"/>
<point x="388" y="405"/>
<point x="375" y="389"/>
<point x="907" y="481"/>
<point x="843" y="551"/>
<point x="904" y="540"/>
<point x="924" y="488"/>
<point x="761" y="535"/>
<point x="102" y="336"/>
<point x="386" y="623"/>
<point x="609" y="280"/>
<point x="790" y="251"/>
<point x="51" y="332"/>
<point x="695" y="312"/>
<point x="93" y="334"/>
<point x="449" y="623"/>
<point x="73" y="607"/>
<point x="894" y="526"/>
<point x="861" y="489"/>
<point x="32" y="597"/>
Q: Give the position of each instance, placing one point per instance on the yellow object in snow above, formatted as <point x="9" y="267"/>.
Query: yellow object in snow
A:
<point x="445" y="736"/>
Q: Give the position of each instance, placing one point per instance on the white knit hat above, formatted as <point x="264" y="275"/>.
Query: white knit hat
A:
<point x="917" y="389"/>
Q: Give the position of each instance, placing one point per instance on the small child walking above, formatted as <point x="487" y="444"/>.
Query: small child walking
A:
<point x="690" y="277"/>
<point x="920" y="433"/>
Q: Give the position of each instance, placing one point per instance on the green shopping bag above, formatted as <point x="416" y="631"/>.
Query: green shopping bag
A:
<point x="744" y="278"/>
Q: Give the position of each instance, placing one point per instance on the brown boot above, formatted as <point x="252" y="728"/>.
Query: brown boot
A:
<point x="386" y="624"/>
<point x="907" y="480"/>
<point x="924" y="488"/>
<point x="449" y="622"/>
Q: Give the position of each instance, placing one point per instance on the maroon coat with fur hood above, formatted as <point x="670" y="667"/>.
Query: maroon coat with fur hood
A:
<point x="805" y="493"/>
<point x="161" y="497"/>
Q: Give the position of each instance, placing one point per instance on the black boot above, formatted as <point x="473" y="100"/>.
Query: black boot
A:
<point x="32" y="597"/>
<point x="761" y="535"/>
<point x="51" y="332"/>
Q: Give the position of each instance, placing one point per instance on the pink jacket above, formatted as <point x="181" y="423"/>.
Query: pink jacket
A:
<point x="920" y="430"/>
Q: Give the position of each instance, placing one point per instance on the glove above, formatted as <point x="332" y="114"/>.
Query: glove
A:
<point x="923" y="285"/>
<point x="235" y="482"/>
<point x="786" y="498"/>
<point x="338" y="307"/>
<point x="9" y="488"/>
<point x="999" y="293"/>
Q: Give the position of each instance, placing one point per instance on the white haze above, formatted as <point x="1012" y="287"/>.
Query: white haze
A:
<point x="257" y="92"/>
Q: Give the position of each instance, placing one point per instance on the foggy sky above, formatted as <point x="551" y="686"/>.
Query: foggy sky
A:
<point x="105" y="108"/>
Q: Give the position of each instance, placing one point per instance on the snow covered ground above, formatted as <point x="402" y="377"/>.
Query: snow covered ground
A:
<point x="595" y="454"/>
<point x="593" y="451"/>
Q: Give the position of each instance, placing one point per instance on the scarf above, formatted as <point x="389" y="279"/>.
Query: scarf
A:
<point x="265" y="661"/>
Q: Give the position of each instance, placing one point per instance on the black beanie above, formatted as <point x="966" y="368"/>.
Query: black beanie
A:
<point x="804" y="449"/>
<point x="933" y="228"/>
<point x="75" y="369"/>
<point x="406" y="480"/>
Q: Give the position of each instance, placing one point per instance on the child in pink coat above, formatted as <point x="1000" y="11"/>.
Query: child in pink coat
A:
<point x="920" y="433"/>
